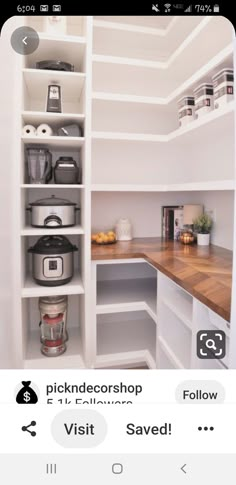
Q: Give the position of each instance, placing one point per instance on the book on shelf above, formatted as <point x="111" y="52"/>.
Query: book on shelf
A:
<point x="172" y="221"/>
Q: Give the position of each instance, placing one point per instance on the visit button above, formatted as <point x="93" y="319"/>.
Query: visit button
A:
<point x="79" y="429"/>
<point x="200" y="392"/>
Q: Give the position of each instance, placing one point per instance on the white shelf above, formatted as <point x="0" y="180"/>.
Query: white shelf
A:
<point x="69" y="48"/>
<point x="52" y="186"/>
<point x="43" y="231"/>
<point x="223" y="59"/>
<point x="164" y="65"/>
<point x="127" y="61"/>
<point x="117" y="136"/>
<point x="126" y="27"/>
<point x="72" y="358"/>
<point x="175" y="333"/>
<point x="125" y="337"/>
<point x="61" y="40"/>
<point x="170" y="354"/>
<point x="123" y="295"/>
<point x="57" y="141"/>
<point x="127" y="98"/>
<point x="31" y="289"/>
<point x="37" y="81"/>
<point x="193" y="186"/>
<point x="38" y="117"/>
<point x="123" y="359"/>
<point x="183" y="310"/>
<point x="221" y="115"/>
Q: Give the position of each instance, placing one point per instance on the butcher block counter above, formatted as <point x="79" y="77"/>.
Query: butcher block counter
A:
<point x="204" y="271"/>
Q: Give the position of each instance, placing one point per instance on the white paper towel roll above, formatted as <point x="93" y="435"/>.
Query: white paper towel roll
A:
<point x="44" y="130"/>
<point x="28" y="130"/>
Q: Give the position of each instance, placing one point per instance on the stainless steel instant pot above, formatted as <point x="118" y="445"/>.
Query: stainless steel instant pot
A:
<point x="53" y="261"/>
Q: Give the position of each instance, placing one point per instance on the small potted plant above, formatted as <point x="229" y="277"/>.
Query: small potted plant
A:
<point x="203" y="225"/>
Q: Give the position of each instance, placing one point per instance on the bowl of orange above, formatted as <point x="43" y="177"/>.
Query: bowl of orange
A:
<point x="108" y="237"/>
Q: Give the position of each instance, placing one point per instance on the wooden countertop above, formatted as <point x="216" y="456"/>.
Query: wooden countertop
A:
<point x="204" y="271"/>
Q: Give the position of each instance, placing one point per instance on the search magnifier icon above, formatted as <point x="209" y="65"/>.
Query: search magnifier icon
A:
<point x="210" y="344"/>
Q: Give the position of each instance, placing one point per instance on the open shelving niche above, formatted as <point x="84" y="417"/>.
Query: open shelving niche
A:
<point x="125" y="300"/>
<point x="76" y="108"/>
<point x="180" y="317"/>
<point x="117" y="132"/>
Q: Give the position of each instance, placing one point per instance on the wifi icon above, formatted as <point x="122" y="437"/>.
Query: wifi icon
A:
<point x="167" y="7"/>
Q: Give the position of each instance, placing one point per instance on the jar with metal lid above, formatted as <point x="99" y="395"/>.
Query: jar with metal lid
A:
<point x="186" y="106"/>
<point x="203" y="99"/>
<point x="223" y="83"/>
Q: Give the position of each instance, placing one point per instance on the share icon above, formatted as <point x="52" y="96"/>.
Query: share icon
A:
<point x="26" y="428"/>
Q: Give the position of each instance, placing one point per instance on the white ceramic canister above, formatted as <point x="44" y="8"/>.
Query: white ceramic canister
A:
<point x="55" y="25"/>
<point x="186" y="106"/>
<point x="123" y="230"/>
<point x="204" y="100"/>
<point x="223" y="83"/>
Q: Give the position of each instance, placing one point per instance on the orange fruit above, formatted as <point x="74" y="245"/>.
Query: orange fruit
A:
<point x="110" y="238"/>
<point x="99" y="240"/>
<point x="94" y="237"/>
<point x="111" y="233"/>
<point x="105" y="238"/>
<point x="101" y="234"/>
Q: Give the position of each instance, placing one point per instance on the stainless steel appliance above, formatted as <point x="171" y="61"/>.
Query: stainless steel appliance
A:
<point x="66" y="171"/>
<point x="70" y="130"/>
<point x="53" y="212"/>
<point x="39" y="165"/>
<point x="53" y="65"/>
<point x="53" y="311"/>
<point x="53" y="262"/>
<point x="54" y="98"/>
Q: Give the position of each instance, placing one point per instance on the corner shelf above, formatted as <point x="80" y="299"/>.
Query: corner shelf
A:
<point x="126" y="339"/>
<point x="192" y="186"/>
<point x="31" y="289"/>
<point x="123" y="295"/>
<point x="223" y="114"/>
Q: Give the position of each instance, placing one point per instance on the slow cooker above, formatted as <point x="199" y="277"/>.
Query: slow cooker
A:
<point x="53" y="262"/>
<point x="53" y="212"/>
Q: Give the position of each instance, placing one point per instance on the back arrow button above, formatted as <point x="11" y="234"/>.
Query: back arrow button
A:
<point x="183" y="468"/>
<point x="24" y="40"/>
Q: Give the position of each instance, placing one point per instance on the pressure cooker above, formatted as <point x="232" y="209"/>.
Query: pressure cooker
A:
<point x="53" y="212"/>
<point x="53" y="261"/>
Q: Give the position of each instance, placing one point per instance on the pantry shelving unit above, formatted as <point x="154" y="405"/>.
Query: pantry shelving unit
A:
<point x="129" y="74"/>
<point x="75" y="90"/>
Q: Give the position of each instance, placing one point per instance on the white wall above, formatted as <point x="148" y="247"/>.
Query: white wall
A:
<point x="144" y="211"/>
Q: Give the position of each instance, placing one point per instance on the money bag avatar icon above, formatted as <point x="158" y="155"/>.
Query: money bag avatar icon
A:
<point x="26" y="395"/>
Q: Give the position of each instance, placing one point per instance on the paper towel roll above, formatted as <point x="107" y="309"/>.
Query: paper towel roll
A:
<point x="44" y="130"/>
<point x="28" y="130"/>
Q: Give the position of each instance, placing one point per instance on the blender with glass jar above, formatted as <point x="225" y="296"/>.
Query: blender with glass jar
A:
<point x="53" y="324"/>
